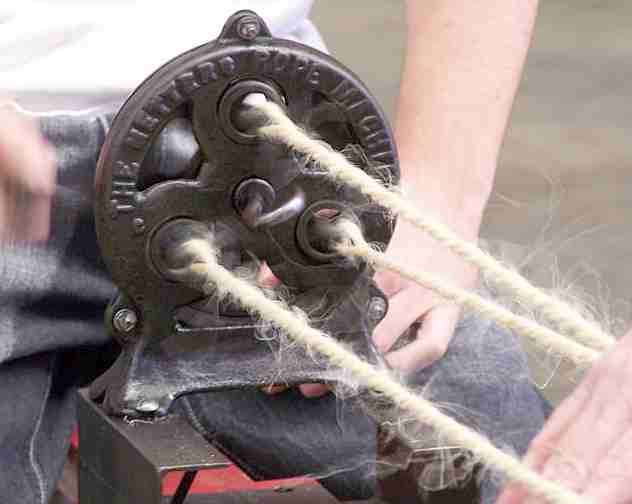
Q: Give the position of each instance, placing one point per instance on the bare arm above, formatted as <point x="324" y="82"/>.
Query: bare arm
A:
<point x="463" y="65"/>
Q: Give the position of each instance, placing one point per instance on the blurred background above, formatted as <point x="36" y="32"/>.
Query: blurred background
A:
<point x="562" y="205"/>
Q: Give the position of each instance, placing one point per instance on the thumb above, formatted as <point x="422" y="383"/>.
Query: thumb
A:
<point x="431" y="343"/>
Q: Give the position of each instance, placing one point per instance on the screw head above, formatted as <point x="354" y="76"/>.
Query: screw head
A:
<point x="248" y="28"/>
<point x="377" y="308"/>
<point x="125" y="320"/>
<point x="139" y="225"/>
<point x="147" y="406"/>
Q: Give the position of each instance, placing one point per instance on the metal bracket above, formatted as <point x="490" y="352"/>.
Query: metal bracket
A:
<point x="123" y="461"/>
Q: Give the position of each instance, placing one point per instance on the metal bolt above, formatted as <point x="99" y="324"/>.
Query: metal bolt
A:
<point x="147" y="406"/>
<point x="139" y="225"/>
<point x="248" y="28"/>
<point x="377" y="308"/>
<point x="125" y="320"/>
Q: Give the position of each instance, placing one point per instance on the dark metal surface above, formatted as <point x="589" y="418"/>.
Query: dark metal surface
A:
<point x="123" y="461"/>
<point x="179" y="149"/>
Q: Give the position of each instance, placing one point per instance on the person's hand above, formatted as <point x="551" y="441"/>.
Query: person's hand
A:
<point x="586" y="445"/>
<point x="409" y="303"/>
<point x="27" y="178"/>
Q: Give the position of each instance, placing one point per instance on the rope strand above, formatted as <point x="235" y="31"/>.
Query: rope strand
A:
<point x="357" y="247"/>
<point x="283" y="130"/>
<point x="217" y="279"/>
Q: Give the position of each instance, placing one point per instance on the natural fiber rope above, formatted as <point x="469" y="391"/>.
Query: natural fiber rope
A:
<point x="283" y="130"/>
<point x="216" y="279"/>
<point x="356" y="247"/>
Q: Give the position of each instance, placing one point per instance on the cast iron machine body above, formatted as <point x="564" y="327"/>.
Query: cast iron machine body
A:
<point x="182" y="161"/>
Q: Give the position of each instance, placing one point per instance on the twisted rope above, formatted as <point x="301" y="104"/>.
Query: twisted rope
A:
<point x="215" y="279"/>
<point x="356" y="247"/>
<point x="281" y="129"/>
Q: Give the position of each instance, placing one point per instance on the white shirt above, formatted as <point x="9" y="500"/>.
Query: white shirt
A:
<point x="113" y="45"/>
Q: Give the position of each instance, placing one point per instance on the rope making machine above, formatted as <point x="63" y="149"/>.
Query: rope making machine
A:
<point x="182" y="161"/>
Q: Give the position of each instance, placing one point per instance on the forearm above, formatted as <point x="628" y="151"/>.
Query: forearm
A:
<point x="463" y="65"/>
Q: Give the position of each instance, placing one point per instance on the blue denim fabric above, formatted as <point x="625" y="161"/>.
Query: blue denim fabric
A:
<point x="52" y="299"/>
<point x="483" y="381"/>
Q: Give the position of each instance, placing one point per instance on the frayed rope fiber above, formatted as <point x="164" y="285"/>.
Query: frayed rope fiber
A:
<point x="355" y="246"/>
<point x="281" y="129"/>
<point x="215" y="279"/>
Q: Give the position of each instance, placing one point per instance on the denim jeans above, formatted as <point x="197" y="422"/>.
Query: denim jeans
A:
<point x="52" y="340"/>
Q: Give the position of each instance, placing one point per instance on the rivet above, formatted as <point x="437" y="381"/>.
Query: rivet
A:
<point x="125" y="320"/>
<point x="377" y="308"/>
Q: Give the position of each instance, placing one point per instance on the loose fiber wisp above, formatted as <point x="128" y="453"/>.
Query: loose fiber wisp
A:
<point x="350" y="243"/>
<point x="215" y="279"/>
